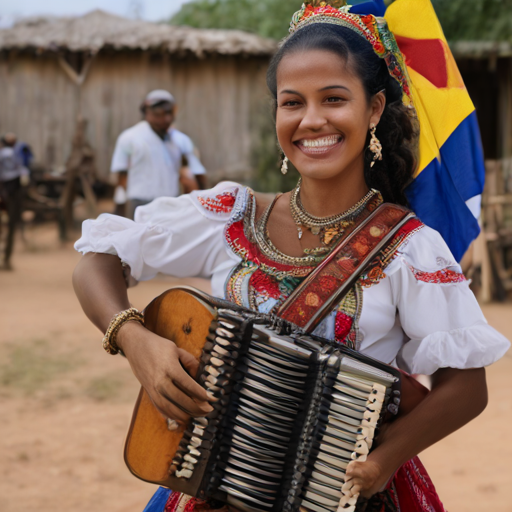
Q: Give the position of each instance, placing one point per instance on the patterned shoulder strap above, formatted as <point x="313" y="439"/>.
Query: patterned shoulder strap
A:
<point x="315" y="297"/>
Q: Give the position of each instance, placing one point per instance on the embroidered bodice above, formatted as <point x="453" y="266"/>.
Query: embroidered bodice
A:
<point x="265" y="277"/>
<point x="413" y="306"/>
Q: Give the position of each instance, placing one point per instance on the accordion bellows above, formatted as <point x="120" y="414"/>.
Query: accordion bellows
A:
<point x="293" y="410"/>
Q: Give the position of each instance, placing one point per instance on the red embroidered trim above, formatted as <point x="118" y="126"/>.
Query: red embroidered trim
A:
<point x="235" y="236"/>
<point x="222" y="203"/>
<point x="192" y="504"/>
<point x="172" y="502"/>
<point x="409" y="228"/>
<point x="265" y="285"/>
<point x="442" y="276"/>
<point x="342" y="326"/>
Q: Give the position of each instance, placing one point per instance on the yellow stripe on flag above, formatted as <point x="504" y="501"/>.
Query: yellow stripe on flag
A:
<point x="440" y="109"/>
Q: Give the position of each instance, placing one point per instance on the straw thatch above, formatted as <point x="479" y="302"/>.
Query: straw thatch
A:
<point x="99" y="29"/>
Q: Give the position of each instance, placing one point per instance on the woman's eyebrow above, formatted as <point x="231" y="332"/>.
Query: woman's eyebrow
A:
<point x="289" y="91"/>
<point x="334" y="87"/>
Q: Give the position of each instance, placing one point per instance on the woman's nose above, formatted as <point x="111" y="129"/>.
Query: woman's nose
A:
<point x="313" y="118"/>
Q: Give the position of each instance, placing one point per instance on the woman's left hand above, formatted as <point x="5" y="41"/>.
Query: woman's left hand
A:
<point x="365" y="478"/>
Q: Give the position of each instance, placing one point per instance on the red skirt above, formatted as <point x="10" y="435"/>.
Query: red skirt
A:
<point x="411" y="490"/>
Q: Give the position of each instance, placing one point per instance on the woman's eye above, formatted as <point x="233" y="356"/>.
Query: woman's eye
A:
<point x="335" y="99"/>
<point x="290" y="103"/>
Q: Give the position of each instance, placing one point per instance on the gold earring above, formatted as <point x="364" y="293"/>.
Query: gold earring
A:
<point x="284" y="166"/>
<point x="375" y="146"/>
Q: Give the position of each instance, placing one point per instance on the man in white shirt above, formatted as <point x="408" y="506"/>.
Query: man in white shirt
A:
<point x="151" y="156"/>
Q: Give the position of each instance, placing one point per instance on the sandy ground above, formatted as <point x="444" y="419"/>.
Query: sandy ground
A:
<point x="65" y="405"/>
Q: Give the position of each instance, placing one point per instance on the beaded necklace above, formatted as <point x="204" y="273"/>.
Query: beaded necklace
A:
<point x="328" y="228"/>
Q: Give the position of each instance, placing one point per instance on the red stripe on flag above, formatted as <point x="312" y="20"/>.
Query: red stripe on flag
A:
<point x="427" y="57"/>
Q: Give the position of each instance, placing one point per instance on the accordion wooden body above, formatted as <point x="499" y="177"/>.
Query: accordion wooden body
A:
<point x="293" y="410"/>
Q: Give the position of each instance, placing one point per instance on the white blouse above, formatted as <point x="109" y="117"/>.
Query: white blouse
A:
<point x="411" y="317"/>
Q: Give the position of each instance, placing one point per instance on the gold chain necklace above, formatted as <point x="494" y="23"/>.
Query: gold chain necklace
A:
<point x="328" y="228"/>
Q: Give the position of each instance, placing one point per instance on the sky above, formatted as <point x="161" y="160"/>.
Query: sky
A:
<point x="152" y="10"/>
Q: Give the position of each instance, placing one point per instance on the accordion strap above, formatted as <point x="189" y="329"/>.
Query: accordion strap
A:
<point x="328" y="284"/>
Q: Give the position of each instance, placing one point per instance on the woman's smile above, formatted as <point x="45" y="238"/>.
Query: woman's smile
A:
<point x="320" y="146"/>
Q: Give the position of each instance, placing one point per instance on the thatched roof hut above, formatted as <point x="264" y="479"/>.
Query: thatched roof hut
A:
<point x="98" y="30"/>
<point x="101" y="66"/>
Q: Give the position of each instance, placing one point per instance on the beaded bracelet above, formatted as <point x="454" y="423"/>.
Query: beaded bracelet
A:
<point x="109" y="340"/>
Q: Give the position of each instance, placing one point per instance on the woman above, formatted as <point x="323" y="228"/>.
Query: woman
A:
<point x="413" y="307"/>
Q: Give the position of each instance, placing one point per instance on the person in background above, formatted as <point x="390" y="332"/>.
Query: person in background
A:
<point x="13" y="176"/>
<point x="24" y="153"/>
<point x="152" y="158"/>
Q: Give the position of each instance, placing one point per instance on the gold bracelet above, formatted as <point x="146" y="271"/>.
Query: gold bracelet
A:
<point x="128" y="315"/>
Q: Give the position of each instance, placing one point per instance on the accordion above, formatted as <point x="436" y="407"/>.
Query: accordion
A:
<point x="293" y="410"/>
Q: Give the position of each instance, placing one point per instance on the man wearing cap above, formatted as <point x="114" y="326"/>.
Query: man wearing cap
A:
<point x="152" y="158"/>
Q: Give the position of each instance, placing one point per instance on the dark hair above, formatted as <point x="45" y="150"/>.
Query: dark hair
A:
<point x="396" y="130"/>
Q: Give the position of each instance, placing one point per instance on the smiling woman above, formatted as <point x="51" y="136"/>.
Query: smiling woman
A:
<point x="344" y="117"/>
<point x="355" y="90"/>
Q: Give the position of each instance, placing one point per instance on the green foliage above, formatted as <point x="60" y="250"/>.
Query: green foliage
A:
<point x="475" y="20"/>
<point x="265" y="17"/>
<point x="469" y="20"/>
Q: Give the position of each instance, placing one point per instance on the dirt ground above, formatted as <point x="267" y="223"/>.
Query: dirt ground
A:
<point x="65" y="405"/>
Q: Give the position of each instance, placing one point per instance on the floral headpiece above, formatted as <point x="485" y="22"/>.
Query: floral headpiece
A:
<point x="374" y="29"/>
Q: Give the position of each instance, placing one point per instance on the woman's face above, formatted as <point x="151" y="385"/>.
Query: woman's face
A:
<point x="323" y="115"/>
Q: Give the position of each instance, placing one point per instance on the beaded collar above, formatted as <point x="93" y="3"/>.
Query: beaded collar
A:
<point x="249" y="239"/>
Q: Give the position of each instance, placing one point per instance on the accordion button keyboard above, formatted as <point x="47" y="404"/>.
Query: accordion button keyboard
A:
<point x="322" y="499"/>
<point x="262" y="472"/>
<point x="325" y="479"/>
<point x="332" y="471"/>
<point x="184" y="473"/>
<point x="272" y="393"/>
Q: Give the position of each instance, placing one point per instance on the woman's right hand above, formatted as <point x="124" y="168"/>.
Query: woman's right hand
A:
<point x="166" y="373"/>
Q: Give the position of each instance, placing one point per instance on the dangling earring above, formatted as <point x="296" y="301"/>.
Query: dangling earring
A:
<point x="284" y="167"/>
<point x="375" y="146"/>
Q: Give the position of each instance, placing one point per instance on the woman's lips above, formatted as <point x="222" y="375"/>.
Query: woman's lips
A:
<point x="319" y="146"/>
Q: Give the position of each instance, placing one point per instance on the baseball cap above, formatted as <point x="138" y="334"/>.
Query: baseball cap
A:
<point x="158" y="96"/>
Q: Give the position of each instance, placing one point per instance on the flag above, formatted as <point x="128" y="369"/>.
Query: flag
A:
<point x="451" y="164"/>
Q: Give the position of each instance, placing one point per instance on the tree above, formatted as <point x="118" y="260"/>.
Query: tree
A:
<point x="267" y="18"/>
<point x="475" y="20"/>
<point x="470" y="20"/>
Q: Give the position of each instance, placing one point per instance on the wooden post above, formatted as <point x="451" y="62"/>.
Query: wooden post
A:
<point x="80" y="165"/>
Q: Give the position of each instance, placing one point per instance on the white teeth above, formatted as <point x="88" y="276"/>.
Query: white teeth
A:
<point x="323" y="142"/>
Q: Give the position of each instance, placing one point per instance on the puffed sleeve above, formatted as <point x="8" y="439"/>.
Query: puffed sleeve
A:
<point x="182" y="236"/>
<point x="440" y="316"/>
